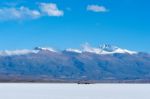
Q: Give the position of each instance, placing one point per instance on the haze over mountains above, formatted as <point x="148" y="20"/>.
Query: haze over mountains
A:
<point x="104" y="64"/>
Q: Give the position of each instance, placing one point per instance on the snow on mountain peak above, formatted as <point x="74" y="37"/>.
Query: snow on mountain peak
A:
<point x="87" y="48"/>
<point x="45" y="49"/>
<point x="16" y="52"/>
<point x="24" y="51"/>
<point x="108" y="47"/>
<point x="105" y="49"/>
<point x="74" y="50"/>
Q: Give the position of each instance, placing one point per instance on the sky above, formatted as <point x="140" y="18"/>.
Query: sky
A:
<point x="25" y="24"/>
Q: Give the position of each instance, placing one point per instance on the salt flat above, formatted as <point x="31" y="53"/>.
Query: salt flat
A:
<point x="74" y="91"/>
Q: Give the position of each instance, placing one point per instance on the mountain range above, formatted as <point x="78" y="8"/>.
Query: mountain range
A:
<point x="106" y="63"/>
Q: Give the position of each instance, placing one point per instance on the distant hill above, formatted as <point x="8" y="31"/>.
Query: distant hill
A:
<point x="104" y="64"/>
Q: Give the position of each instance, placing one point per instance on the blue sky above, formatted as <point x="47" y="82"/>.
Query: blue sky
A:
<point x="71" y="23"/>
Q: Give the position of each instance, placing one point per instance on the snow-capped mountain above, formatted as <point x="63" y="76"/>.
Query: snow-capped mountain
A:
<point x="25" y="51"/>
<point x="104" y="63"/>
<point x="109" y="49"/>
<point x="103" y="49"/>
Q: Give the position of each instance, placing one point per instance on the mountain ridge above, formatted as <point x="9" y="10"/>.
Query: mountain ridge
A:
<point x="102" y="49"/>
<point x="48" y="65"/>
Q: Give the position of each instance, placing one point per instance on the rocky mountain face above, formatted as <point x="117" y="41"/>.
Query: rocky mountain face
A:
<point x="104" y="64"/>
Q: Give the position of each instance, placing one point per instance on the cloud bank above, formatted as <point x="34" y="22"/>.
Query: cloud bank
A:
<point x="18" y="13"/>
<point x="44" y="9"/>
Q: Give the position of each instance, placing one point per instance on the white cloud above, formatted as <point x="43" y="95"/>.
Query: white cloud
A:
<point x="96" y="8"/>
<point x="18" y="13"/>
<point x="51" y="9"/>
